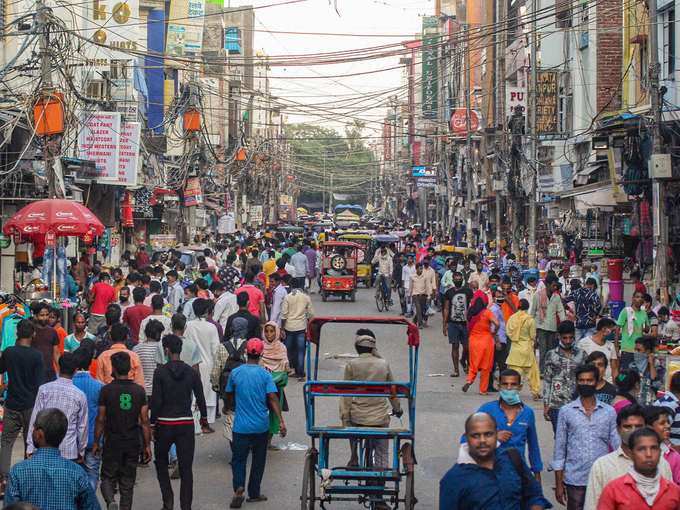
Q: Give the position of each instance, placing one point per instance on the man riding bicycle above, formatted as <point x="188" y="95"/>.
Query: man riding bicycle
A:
<point x="384" y="278"/>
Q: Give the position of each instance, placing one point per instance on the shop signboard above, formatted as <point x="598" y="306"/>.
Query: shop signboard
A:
<point x="426" y="182"/>
<point x="50" y="239"/>
<point x="128" y="154"/>
<point x="424" y="171"/>
<point x="429" y="65"/>
<point x="515" y="97"/>
<point x="112" y="25"/>
<point x="99" y="142"/>
<point x="546" y="102"/>
<point x="185" y="27"/>
<point x="16" y="236"/>
<point x="162" y="240"/>
<point x="105" y="240"/>
<point x="5" y="241"/>
<point x="285" y="200"/>
<point x="192" y="192"/>
<point x="88" y="238"/>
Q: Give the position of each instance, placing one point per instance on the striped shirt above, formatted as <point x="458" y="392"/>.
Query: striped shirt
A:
<point x="671" y="401"/>
<point x="147" y="355"/>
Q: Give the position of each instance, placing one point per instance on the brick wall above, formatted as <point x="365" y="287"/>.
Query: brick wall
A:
<point x="609" y="16"/>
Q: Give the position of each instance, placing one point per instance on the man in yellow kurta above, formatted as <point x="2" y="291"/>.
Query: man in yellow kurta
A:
<point x="521" y="329"/>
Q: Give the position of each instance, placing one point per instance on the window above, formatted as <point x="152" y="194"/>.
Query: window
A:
<point x="667" y="57"/>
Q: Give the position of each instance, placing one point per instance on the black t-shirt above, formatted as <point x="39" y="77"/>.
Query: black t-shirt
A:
<point x="254" y="328"/>
<point x="460" y="302"/>
<point x="123" y="400"/>
<point x="44" y="341"/>
<point x="26" y="371"/>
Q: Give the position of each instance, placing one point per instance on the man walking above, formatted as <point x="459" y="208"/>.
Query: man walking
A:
<point x="587" y="307"/>
<point x="643" y="486"/>
<point x="225" y="306"/>
<point x="278" y="294"/>
<point x="63" y="395"/>
<point x="99" y="297"/>
<point x="119" y="337"/>
<point x="46" y="479"/>
<point x="546" y="307"/>
<point x="457" y="300"/>
<point x="485" y="478"/>
<point x="301" y="264"/>
<point x="175" y="291"/>
<point x="407" y="271"/>
<point x="26" y="372"/>
<point x="252" y="387"/>
<point x="46" y="339"/>
<point x="586" y="430"/>
<point x="419" y="289"/>
<point x="134" y="315"/>
<point x="123" y="409"/>
<point x="295" y="313"/>
<point x="172" y="419"/>
<point x="630" y="325"/>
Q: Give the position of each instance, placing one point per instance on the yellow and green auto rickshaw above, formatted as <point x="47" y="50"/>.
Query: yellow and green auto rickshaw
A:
<point x="364" y="256"/>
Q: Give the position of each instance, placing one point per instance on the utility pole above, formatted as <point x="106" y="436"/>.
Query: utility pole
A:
<point x="468" y="128"/>
<point x="501" y="114"/>
<point x="330" y="197"/>
<point x="534" y="140"/>
<point x="659" y="186"/>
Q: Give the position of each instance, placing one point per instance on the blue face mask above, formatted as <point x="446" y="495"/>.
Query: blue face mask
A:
<point x="511" y="397"/>
<point x="564" y="346"/>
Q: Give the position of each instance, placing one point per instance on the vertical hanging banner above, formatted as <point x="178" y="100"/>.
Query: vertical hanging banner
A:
<point x="430" y="52"/>
<point x="128" y="154"/>
<point x="193" y="40"/>
<point x="192" y="192"/>
<point x="99" y="141"/>
<point x="546" y="102"/>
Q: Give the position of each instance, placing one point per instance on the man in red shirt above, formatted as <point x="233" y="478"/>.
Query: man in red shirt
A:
<point x="643" y="486"/>
<point x="100" y="296"/>
<point x="134" y="315"/>
<point x="142" y="257"/>
<point x="256" y="306"/>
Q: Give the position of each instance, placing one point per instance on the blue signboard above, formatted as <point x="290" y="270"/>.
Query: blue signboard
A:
<point x="426" y="182"/>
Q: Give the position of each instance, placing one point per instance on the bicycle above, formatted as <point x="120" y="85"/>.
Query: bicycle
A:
<point x="382" y="300"/>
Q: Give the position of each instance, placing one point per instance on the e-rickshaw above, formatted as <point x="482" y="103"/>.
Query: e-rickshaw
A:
<point x="365" y="484"/>
<point x="364" y="257"/>
<point x="339" y="269"/>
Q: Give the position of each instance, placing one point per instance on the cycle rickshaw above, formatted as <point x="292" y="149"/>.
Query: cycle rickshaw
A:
<point x="365" y="484"/>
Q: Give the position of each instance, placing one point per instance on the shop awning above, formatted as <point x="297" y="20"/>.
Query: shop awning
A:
<point x="583" y="176"/>
<point x="214" y="206"/>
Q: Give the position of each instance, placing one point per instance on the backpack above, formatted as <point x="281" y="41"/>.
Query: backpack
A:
<point x="517" y="460"/>
<point x="234" y="360"/>
<point x="259" y="284"/>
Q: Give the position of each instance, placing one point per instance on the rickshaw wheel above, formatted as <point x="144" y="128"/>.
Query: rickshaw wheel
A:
<point x="308" y="483"/>
<point x="344" y="296"/>
<point x="352" y="296"/>
<point x="323" y="296"/>
<point x="409" y="497"/>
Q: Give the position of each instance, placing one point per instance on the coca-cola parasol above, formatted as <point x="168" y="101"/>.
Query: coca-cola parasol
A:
<point x="64" y="217"/>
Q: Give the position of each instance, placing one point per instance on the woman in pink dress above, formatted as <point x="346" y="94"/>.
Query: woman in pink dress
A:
<point x="628" y="386"/>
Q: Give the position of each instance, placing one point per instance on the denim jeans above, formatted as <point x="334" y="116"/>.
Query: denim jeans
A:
<point x="295" y="341"/>
<point x="240" y="446"/>
<point x="173" y="453"/>
<point x="386" y="282"/>
<point x="582" y="333"/>
<point x="91" y="467"/>
<point x="61" y="272"/>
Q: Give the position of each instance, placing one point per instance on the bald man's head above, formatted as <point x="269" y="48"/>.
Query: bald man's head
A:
<point x="481" y="434"/>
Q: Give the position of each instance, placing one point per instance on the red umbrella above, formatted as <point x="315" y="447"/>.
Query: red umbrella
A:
<point x="64" y="217"/>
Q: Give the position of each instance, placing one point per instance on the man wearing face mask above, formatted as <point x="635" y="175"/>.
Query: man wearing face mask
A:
<point x="516" y="422"/>
<point x="457" y="300"/>
<point x="494" y="284"/>
<point x="598" y="342"/>
<point x="586" y="430"/>
<point x="561" y="365"/>
<point x="528" y="292"/>
<point x="616" y="464"/>
<point x="547" y="306"/>
<point x="46" y="339"/>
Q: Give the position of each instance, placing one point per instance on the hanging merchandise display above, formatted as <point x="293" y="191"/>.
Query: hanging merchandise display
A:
<point x="143" y="197"/>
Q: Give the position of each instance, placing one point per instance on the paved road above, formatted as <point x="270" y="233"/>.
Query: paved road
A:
<point x="441" y="412"/>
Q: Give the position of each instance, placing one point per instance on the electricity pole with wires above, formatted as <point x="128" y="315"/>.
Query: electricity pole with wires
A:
<point x="534" y="141"/>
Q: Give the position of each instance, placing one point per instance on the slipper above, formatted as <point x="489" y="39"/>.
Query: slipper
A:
<point x="485" y="393"/>
<point x="261" y="497"/>
<point x="466" y="386"/>
<point x="455" y="374"/>
<point x="238" y="498"/>
<point x="209" y="431"/>
<point x="273" y="448"/>
<point x="301" y="379"/>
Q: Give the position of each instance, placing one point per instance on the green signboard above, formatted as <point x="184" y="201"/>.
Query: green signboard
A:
<point x="5" y="241"/>
<point x="430" y="73"/>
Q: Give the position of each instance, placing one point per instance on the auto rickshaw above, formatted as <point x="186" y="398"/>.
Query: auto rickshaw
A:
<point x="339" y="269"/>
<point x="364" y="257"/>
<point x="470" y="253"/>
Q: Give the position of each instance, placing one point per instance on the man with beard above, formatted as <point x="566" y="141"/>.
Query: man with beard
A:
<point x="485" y="478"/>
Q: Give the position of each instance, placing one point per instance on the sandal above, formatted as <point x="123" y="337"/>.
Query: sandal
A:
<point x="455" y="374"/>
<point x="301" y="379"/>
<point x="208" y="431"/>
<point x="273" y="448"/>
<point x="485" y="393"/>
<point x="261" y="497"/>
<point x="238" y="498"/>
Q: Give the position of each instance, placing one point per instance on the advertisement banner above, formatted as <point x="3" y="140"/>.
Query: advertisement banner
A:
<point x="430" y="74"/>
<point x="424" y="171"/>
<point x="192" y="192"/>
<point x="185" y="27"/>
<point x="193" y="38"/>
<point x="162" y="240"/>
<point x="128" y="154"/>
<point x="515" y="97"/>
<point x="546" y="102"/>
<point x="285" y="200"/>
<point x="426" y="182"/>
<point x="256" y="214"/>
<point x="99" y="142"/>
<point x="459" y="121"/>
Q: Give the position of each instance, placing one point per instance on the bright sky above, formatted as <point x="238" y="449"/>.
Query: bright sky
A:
<point x="333" y="96"/>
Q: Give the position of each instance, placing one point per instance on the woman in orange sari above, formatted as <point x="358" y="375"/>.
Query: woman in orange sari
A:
<point x="482" y="341"/>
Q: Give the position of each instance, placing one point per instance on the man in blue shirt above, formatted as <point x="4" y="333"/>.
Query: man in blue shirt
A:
<point x="485" y="478"/>
<point x="516" y="422"/>
<point x="91" y="387"/>
<point x="252" y="387"/>
<point x="47" y="479"/>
